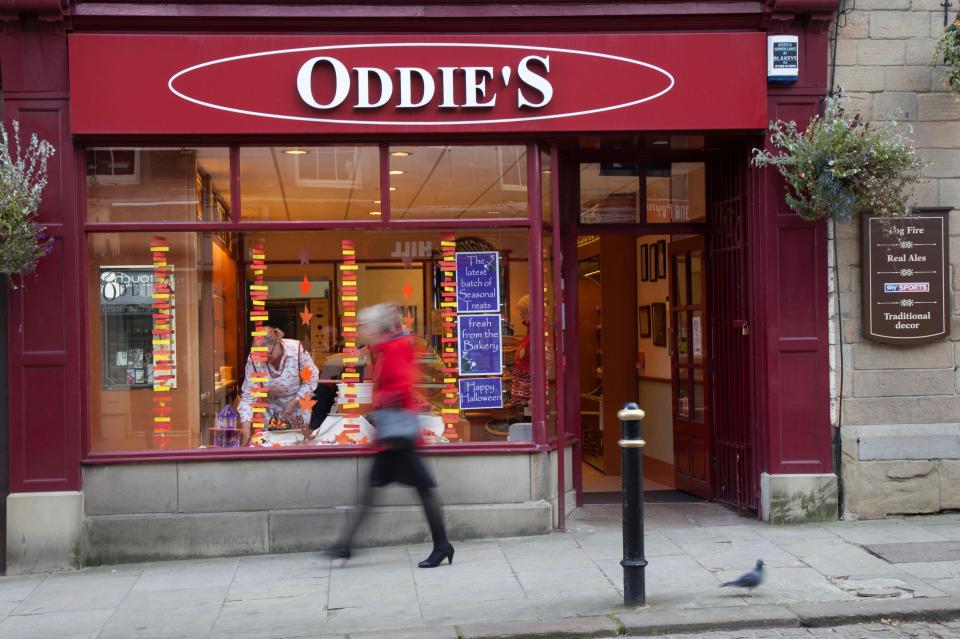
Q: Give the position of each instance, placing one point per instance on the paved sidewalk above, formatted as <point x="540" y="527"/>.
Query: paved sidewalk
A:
<point x="565" y="584"/>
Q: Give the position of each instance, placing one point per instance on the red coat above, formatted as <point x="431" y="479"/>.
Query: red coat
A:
<point x="394" y="373"/>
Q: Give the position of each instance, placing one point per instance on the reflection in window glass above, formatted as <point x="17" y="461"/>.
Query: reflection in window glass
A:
<point x="551" y="337"/>
<point x="138" y="184"/>
<point x="609" y="193"/>
<point x="546" y="186"/>
<point x="310" y="183"/>
<point x="444" y="182"/>
<point x="676" y="192"/>
<point x="214" y="296"/>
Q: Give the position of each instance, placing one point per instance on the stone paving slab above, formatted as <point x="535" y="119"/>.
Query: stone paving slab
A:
<point x="517" y="587"/>
<point x="917" y="551"/>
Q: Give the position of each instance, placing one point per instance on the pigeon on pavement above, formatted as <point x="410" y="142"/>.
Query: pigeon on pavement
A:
<point x="748" y="580"/>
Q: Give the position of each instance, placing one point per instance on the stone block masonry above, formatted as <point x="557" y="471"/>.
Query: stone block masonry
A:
<point x="900" y="410"/>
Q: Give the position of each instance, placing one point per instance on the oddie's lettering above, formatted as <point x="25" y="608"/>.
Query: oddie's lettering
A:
<point x="376" y="87"/>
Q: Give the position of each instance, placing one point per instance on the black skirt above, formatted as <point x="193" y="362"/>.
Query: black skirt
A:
<point x="403" y="466"/>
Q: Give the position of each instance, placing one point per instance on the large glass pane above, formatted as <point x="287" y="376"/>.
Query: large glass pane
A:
<point x="453" y="182"/>
<point x="676" y="192"/>
<point x="696" y="275"/>
<point x="164" y="337"/>
<point x="172" y="320"/>
<point x="146" y="184"/>
<point x="281" y="183"/>
<point x="551" y="336"/>
<point x="546" y="185"/>
<point x="609" y="193"/>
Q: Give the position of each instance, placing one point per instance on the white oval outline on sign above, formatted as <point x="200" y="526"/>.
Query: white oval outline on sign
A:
<point x="420" y="44"/>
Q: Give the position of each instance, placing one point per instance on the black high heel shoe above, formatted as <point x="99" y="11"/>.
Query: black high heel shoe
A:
<point x="437" y="556"/>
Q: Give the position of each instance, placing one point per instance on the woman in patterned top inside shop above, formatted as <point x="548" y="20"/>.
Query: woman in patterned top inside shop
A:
<point x="291" y="375"/>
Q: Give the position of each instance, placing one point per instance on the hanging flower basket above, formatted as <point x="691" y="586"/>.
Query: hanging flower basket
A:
<point x="947" y="49"/>
<point x="23" y="175"/>
<point x="841" y="165"/>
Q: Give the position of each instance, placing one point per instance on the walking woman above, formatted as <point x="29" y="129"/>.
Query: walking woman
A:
<point x="394" y="374"/>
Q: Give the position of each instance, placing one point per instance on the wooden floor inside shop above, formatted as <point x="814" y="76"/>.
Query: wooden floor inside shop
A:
<point x="596" y="482"/>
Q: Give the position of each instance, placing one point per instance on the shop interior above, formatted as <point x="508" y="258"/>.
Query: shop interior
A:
<point x="641" y="322"/>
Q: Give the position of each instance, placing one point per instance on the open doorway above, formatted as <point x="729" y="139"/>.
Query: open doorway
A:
<point x="661" y="300"/>
<point x="637" y="346"/>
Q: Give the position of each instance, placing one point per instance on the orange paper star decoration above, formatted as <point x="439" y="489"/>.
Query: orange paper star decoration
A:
<point x="306" y="403"/>
<point x="305" y="316"/>
<point x="305" y="286"/>
<point x="407" y="290"/>
<point x="343" y="438"/>
<point x="306" y="374"/>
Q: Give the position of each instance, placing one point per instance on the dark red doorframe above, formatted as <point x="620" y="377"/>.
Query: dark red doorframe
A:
<point x="4" y="428"/>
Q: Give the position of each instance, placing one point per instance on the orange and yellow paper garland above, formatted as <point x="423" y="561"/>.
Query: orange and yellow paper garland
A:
<point x="350" y="434"/>
<point x="258" y="315"/>
<point x="162" y="342"/>
<point x="448" y="313"/>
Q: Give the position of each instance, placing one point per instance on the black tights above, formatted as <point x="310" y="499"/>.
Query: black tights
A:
<point x="431" y="508"/>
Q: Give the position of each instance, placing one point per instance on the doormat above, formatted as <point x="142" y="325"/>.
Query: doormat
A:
<point x="649" y="496"/>
<point x="916" y="551"/>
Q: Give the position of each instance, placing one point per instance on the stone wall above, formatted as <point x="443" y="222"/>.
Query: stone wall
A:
<point x="900" y="421"/>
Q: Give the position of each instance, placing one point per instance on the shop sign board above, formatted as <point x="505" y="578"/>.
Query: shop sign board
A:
<point x="320" y="84"/>
<point x="478" y="282"/>
<point x="481" y="393"/>
<point x="905" y="278"/>
<point x="480" y="344"/>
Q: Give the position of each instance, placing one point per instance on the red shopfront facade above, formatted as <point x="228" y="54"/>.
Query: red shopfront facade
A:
<point x="333" y="135"/>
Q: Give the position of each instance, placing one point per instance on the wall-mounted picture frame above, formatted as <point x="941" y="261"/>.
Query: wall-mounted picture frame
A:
<point x="658" y="320"/>
<point x="644" y="262"/>
<point x="643" y="320"/>
<point x="661" y="259"/>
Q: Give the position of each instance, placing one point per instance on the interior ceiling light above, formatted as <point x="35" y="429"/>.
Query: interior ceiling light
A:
<point x="295" y="151"/>
<point x="374" y="212"/>
<point x="396" y="172"/>
<point x="400" y="154"/>
<point x="376" y="201"/>
<point x="661" y="142"/>
<point x="393" y="188"/>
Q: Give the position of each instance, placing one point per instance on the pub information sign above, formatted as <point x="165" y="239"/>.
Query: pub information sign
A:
<point x="905" y="278"/>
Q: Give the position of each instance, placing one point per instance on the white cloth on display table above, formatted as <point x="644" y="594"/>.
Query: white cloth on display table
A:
<point x="283" y="384"/>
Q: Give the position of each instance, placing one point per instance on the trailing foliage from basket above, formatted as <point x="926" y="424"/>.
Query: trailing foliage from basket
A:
<point x="840" y="166"/>
<point x="23" y="175"/>
<point x="947" y="49"/>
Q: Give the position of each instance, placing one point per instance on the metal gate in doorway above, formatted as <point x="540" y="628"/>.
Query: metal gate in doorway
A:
<point x="736" y="470"/>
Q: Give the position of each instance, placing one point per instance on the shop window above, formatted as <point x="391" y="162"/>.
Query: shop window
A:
<point x="609" y="193"/>
<point x="676" y="192"/>
<point x="301" y="183"/>
<point x="458" y="182"/>
<point x="172" y="315"/>
<point x="157" y="185"/>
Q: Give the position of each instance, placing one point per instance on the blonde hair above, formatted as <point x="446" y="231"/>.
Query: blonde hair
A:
<point x="273" y="335"/>
<point x="380" y="319"/>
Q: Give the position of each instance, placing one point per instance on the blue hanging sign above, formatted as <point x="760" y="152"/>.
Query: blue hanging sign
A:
<point x="479" y="344"/>
<point x="481" y="393"/>
<point x="478" y="282"/>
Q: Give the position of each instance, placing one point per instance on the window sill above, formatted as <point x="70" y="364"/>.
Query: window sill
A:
<point x="232" y="454"/>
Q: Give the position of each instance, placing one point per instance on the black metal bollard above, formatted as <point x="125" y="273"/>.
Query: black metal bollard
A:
<point x="631" y="473"/>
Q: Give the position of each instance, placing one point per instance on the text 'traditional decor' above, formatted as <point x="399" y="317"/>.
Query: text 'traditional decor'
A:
<point x="906" y="278"/>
